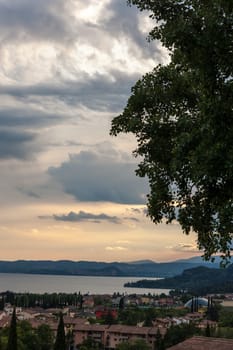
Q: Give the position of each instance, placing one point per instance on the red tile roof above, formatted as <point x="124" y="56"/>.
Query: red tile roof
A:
<point x="204" y="343"/>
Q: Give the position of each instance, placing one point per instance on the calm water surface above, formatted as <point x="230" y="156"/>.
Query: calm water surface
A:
<point x="71" y="284"/>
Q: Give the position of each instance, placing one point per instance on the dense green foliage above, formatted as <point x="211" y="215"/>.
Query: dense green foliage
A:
<point x="45" y="337"/>
<point x="177" y="334"/>
<point x="226" y="317"/>
<point x="133" y="315"/>
<point x="182" y="117"/>
<point x="90" y="344"/>
<point x="28" y="338"/>
<point x="45" y="300"/>
<point x="130" y="316"/>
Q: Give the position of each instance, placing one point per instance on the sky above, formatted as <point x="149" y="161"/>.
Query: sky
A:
<point x="68" y="188"/>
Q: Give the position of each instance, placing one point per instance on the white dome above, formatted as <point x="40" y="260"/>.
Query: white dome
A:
<point x="199" y="301"/>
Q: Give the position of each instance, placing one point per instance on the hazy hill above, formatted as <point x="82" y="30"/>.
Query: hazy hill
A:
<point x="92" y="268"/>
<point x="200" y="280"/>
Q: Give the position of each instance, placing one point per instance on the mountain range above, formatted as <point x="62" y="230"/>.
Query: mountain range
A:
<point x="143" y="268"/>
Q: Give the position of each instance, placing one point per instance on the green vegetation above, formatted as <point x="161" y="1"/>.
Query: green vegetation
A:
<point x="177" y="334"/>
<point x="26" y="337"/>
<point x="226" y="317"/>
<point x="181" y="114"/>
<point x="45" y="337"/>
<point x="90" y="344"/>
<point x="200" y="281"/>
<point x="45" y="300"/>
<point x="133" y="315"/>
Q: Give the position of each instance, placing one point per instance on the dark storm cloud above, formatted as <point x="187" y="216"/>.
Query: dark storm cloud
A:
<point x="102" y="92"/>
<point x="90" y="176"/>
<point x="84" y="216"/>
<point x="25" y="20"/>
<point x="16" y="144"/>
<point x="27" y="118"/>
<point x="16" y="137"/>
<point x="50" y="21"/>
<point x="99" y="92"/>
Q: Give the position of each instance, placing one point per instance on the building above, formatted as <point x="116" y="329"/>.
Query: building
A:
<point x="94" y="331"/>
<point x="103" y="312"/>
<point x="112" y="335"/>
<point x="197" y="303"/>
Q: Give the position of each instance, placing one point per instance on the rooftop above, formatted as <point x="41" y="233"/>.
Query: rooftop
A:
<point x="204" y="343"/>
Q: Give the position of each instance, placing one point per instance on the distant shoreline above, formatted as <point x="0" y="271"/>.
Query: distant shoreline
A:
<point x="140" y="269"/>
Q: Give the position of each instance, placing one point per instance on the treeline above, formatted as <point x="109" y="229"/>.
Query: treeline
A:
<point x="45" y="300"/>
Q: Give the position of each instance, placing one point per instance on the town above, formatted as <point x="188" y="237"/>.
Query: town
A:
<point x="147" y="322"/>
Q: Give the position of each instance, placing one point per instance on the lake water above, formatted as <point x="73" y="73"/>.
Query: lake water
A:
<point x="71" y="284"/>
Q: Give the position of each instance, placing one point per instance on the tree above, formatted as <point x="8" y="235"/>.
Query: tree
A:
<point x="182" y="116"/>
<point x="122" y="303"/>
<point x="70" y="339"/>
<point x="226" y="318"/>
<point x="159" y="345"/>
<point x="213" y="310"/>
<point x="45" y="337"/>
<point x="150" y="315"/>
<point x="27" y="338"/>
<point x="60" y="342"/>
<point x="207" y="330"/>
<point x="109" y="318"/>
<point x="178" y="333"/>
<point x="90" y="344"/>
<point x="12" y="338"/>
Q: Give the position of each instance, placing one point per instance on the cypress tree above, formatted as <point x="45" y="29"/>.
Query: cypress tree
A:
<point x="159" y="345"/>
<point x="207" y="330"/>
<point x="122" y="303"/>
<point x="12" y="338"/>
<point x="60" y="342"/>
<point x="192" y="305"/>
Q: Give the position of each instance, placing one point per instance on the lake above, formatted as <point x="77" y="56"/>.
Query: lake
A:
<point x="71" y="284"/>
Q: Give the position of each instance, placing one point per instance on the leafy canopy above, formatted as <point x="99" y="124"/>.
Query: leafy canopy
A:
<point x="182" y="116"/>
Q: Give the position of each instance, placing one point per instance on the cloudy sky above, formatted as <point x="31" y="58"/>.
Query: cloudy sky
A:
<point x="68" y="189"/>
